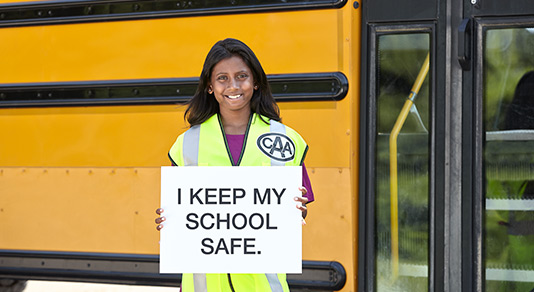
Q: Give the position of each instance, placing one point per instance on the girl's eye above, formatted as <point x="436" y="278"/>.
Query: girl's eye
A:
<point x="222" y="77"/>
<point x="242" y="76"/>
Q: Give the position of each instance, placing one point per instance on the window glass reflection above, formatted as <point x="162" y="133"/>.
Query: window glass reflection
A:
<point x="402" y="193"/>
<point x="509" y="159"/>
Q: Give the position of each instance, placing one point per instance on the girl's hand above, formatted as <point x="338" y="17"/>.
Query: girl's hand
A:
<point x="160" y="219"/>
<point x="302" y="206"/>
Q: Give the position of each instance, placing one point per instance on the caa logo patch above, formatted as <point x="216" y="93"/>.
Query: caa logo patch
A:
<point x="277" y="146"/>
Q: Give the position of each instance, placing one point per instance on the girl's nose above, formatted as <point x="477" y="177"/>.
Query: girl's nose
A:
<point x="233" y="83"/>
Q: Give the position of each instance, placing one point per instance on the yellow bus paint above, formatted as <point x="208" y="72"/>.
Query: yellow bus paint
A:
<point x="86" y="179"/>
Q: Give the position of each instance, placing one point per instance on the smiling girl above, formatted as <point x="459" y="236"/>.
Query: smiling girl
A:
<point x="232" y="109"/>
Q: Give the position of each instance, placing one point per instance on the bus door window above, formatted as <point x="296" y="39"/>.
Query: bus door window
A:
<point x="402" y="162"/>
<point x="508" y="96"/>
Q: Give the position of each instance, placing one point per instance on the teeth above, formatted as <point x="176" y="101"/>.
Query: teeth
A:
<point x="234" y="96"/>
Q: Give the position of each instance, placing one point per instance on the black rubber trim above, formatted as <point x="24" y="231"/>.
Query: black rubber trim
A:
<point x="330" y="86"/>
<point x="138" y="269"/>
<point x="337" y="273"/>
<point x="64" y="12"/>
<point x="84" y="267"/>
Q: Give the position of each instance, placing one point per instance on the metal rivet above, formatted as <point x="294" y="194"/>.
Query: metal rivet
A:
<point x="2" y="95"/>
<point x="135" y="91"/>
<point x="39" y="95"/>
<point x="474" y="2"/>
<point x="136" y="7"/>
<point x="3" y="15"/>
<point x="50" y="13"/>
<point x="284" y="88"/>
<point x="50" y="94"/>
<point x="89" y="10"/>
<point x="356" y="5"/>
<point x="178" y="90"/>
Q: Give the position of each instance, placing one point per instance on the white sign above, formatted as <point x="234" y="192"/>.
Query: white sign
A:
<point x="231" y="220"/>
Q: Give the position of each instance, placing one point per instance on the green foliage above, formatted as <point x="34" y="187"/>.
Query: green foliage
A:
<point x="400" y="60"/>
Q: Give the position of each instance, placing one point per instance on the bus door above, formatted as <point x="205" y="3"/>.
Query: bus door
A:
<point x="498" y="63"/>
<point x="397" y="97"/>
<point x="447" y="172"/>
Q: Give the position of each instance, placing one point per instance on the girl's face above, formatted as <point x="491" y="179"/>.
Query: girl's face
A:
<point x="232" y="84"/>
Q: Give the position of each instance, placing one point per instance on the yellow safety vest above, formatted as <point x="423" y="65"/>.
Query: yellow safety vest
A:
<point x="265" y="144"/>
<point x="271" y="144"/>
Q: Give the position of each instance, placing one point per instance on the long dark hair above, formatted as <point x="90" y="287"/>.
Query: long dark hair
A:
<point x="203" y="105"/>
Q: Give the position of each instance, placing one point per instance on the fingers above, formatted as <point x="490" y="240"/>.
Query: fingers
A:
<point x="303" y="200"/>
<point x="302" y="205"/>
<point x="159" y="220"/>
<point x="302" y="208"/>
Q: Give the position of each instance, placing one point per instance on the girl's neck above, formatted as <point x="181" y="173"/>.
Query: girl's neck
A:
<point x="235" y="122"/>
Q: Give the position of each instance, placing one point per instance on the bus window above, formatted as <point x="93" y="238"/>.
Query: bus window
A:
<point x="402" y="162"/>
<point x="508" y="96"/>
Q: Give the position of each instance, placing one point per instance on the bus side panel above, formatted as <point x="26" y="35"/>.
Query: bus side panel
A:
<point x="86" y="179"/>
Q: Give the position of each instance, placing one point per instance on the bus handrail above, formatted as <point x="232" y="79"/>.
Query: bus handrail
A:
<point x="394" y="208"/>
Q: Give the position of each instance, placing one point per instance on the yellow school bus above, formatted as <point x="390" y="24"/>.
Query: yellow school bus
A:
<point x="92" y="99"/>
<point x="420" y="185"/>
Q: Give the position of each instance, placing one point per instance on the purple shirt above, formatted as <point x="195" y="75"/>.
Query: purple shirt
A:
<point x="235" y="143"/>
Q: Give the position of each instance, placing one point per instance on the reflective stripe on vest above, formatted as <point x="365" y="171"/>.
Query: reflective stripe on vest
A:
<point x="191" y="147"/>
<point x="274" y="283"/>
<point x="200" y="282"/>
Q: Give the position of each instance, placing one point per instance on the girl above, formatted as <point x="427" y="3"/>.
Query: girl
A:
<point x="232" y="109"/>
